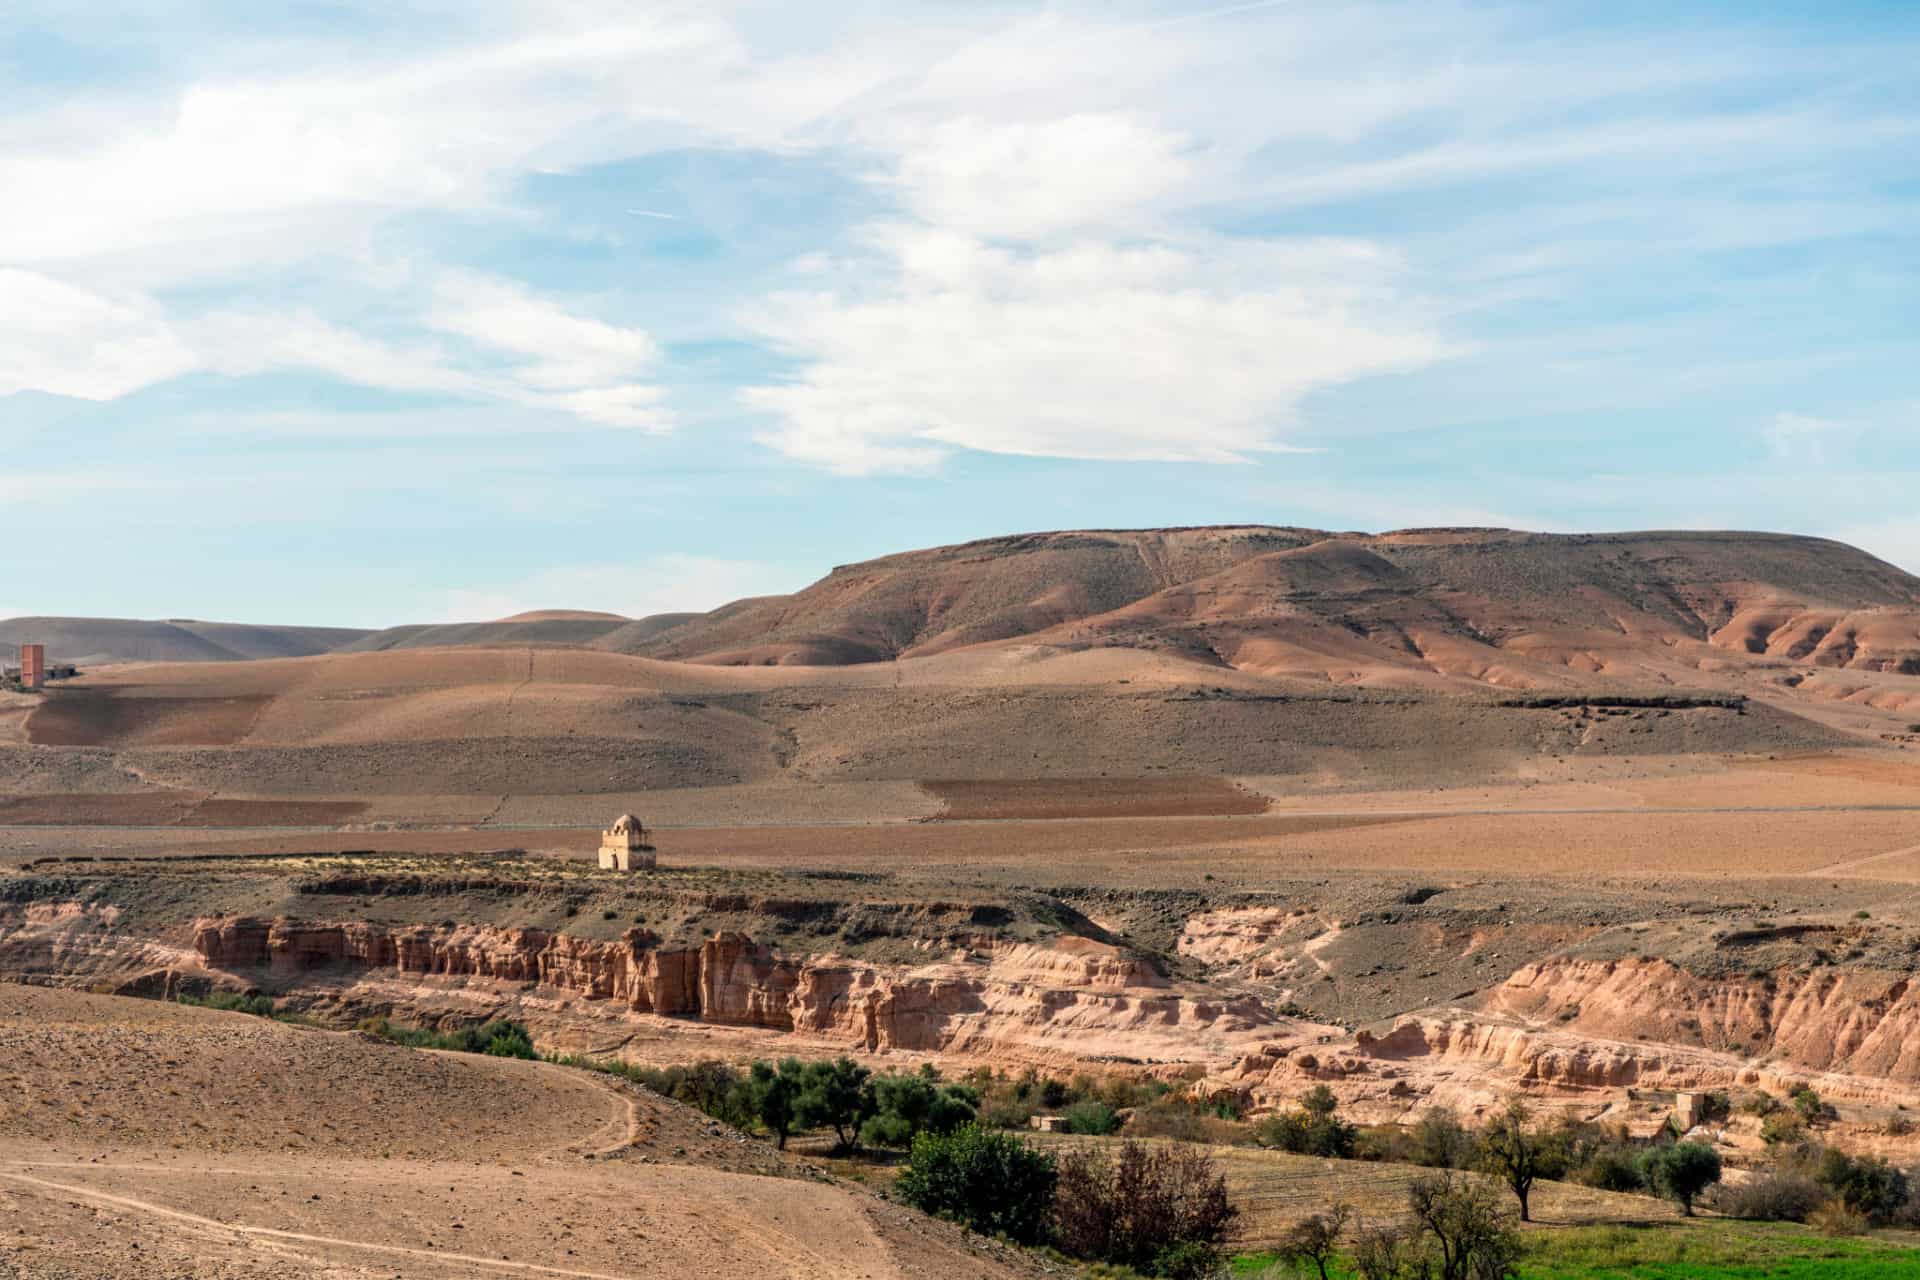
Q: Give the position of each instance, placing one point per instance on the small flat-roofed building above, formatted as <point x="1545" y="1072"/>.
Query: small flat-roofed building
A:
<point x="624" y="847"/>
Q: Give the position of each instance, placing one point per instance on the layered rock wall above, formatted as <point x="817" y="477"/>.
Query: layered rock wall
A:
<point x="1080" y="1001"/>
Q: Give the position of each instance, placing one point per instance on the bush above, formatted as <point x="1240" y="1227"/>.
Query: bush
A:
<point x="233" y="1002"/>
<point x="1160" y="1210"/>
<point x="1392" y="1253"/>
<point x="1440" y="1141"/>
<point x="1612" y="1168"/>
<point x="1091" y="1117"/>
<point x="499" y="1038"/>
<point x="1458" y="1233"/>
<point x="1867" y="1186"/>
<point x="1314" y="1130"/>
<point x="1168" y="1118"/>
<point x="1006" y="1113"/>
<point x="1774" y="1197"/>
<point x="904" y="1105"/>
<point x="1809" y="1105"/>
<point x="994" y="1183"/>
<point x="1682" y="1172"/>
<point x="1315" y="1240"/>
<point x="707" y="1085"/>
<point x="1782" y="1127"/>
<point x="1384" y="1143"/>
<point x="1833" y="1218"/>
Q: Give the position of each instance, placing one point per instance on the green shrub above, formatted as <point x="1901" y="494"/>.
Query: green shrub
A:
<point x="500" y="1038"/>
<point x="1314" y="1130"/>
<point x="1612" y="1168"/>
<point x="1440" y="1141"/>
<point x="905" y="1104"/>
<point x="1866" y="1185"/>
<point x="839" y="1095"/>
<point x="994" y="1183"/>
<point x="1682" y="1172"/>
<point x="260" y="1006"/>
<point x="1091" y="1116"/>
<point x="1782" y="1127"/>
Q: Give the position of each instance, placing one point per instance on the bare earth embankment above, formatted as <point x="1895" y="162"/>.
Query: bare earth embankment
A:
<point x="141" y="1139"/>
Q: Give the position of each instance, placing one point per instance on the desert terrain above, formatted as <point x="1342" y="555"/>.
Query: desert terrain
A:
<point x="1433" y="817"/>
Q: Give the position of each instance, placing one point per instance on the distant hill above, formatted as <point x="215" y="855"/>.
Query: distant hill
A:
<point x="1490" y="605"/>
<point x="564" y="630"/>
<point x="564" y="615"/>
<point x="98" y="641"/>
<point x="1405" y="609"/>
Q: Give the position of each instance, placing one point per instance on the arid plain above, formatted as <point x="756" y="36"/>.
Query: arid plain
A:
<point x="1438" y="816"/>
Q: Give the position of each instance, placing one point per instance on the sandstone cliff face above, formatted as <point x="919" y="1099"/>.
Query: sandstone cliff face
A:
<point x="1573" y="1028"/>
<point x="1076" y="1002"/>
<point x="1859" y="1021"/>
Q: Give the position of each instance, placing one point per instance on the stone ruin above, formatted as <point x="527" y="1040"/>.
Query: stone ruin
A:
<point x="624" y="847"/>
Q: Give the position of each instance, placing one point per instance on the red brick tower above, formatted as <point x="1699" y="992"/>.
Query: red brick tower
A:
<point x="33" y="666"/>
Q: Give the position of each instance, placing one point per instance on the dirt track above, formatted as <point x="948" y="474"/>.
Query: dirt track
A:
<point x="143" y="1139"/>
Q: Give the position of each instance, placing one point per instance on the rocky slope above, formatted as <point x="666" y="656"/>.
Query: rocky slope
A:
<point x="1570" y="1017"/>
<point x="1498" y="606"/>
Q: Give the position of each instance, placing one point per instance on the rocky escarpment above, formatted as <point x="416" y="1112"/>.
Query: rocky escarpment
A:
<point x="1575" y="1027"/>
<point x="1822" y="1018"/>
<point x="1077" y="999"/>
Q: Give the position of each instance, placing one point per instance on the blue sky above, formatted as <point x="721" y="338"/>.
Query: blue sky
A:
<point x="379" y="313"/>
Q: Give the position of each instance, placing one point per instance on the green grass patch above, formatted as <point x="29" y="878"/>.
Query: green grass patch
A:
<point x="1735" y="1251"/>
<point x="1690" y="1251"/>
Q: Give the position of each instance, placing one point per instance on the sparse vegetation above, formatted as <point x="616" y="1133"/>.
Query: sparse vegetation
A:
<point x="1781" y="1196"/>
<point x="1313" y="1129"/>
<point x="1440" y="1141"/>
<point x="260" y="1006"/>
<point x="1682" y="1172"/>
<point x="1314" y="1241"/>
<point x="1160" y="1210"/>
<point x="499" y="1038"/>
<point x="1513" y="1153"/>
<point x="994" y="1183"/>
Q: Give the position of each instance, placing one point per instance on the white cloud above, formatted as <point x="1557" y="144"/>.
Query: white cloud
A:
<point x="443" y="129"/>
<point x="567" y="351"/>
<point x="1198" y="351"/>
<point x="669" y="583"/>
<point x="516" y="348"/>
<point x="65" y="340"/>
<point x="1036" y="178"/>
<point x="1802" y="438"/>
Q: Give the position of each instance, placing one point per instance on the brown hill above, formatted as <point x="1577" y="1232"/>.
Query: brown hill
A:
<point x="564" y="615"/>
<point x="97" y="641"/>
<point x="1413" y="607"/>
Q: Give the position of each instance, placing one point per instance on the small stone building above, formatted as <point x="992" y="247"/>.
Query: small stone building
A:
<point x="624" y="847"/>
